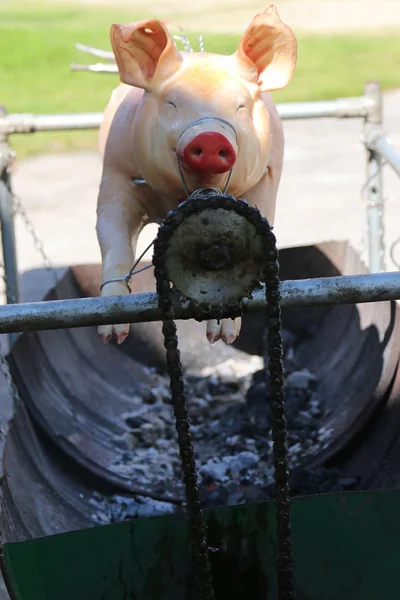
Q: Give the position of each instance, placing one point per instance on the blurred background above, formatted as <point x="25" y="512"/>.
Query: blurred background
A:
<point x="342" y="44"/>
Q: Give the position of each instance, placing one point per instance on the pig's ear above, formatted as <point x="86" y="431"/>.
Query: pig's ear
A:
<point x="145" y="53"/>
<point x="271" y="47"/>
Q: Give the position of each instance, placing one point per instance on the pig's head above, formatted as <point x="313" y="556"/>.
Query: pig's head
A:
<point x="203" y="110"/>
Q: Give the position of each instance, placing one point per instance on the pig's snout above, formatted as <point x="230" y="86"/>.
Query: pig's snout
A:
<point x="209" y="153"/>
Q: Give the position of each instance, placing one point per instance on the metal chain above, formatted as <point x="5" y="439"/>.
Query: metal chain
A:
<point x="201" y="42"/>
<point x="20" y="210"/>
<point x="202" y="576"/>
<point x="208" y="199"/>
<point x="183" y="38"/>
<point x="279" y="422"/>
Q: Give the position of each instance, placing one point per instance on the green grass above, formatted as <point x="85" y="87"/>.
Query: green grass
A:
<point x="37" y="47"/>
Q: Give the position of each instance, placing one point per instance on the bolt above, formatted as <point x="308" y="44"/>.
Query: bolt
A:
<point x="215" y="257"/>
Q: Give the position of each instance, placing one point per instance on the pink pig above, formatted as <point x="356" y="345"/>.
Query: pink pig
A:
<point x="213" y="113"/>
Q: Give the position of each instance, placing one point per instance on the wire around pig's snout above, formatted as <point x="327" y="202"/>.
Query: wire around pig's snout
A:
<point x="195" y="192"/>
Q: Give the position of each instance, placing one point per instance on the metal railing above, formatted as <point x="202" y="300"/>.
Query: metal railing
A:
<point x="143" y="307"/>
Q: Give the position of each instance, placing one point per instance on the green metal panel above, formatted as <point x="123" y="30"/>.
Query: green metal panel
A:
<point x="346" y="546"/>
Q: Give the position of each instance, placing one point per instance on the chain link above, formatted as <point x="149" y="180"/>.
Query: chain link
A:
<point x="21" y="211"/>
<point x="201" y="42"/>
<point x="183" y="38"/>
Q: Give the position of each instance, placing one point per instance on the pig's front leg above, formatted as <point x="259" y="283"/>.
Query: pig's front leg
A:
<point x="119" y="222"/>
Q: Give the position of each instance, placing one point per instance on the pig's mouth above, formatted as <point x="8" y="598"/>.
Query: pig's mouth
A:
<point x="193" y="182"/>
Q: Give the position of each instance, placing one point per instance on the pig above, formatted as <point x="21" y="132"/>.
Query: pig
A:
<point x="213" y="113"/>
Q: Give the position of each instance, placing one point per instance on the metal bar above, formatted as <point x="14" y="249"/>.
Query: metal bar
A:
<point x="30" y="123"/>
<point x="341" y="108"/>
<point x="382" y="146"/>
<point x="97" y="68"/>
<point x="8" y="243"/>
<point x="105" y="54"/>
<point x="135" y="308"/>
<point x="375" y="223"/>
<point x="7" y="224"/>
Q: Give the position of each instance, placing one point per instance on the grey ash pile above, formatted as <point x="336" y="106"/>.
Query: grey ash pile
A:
<point x="231" y="433"/>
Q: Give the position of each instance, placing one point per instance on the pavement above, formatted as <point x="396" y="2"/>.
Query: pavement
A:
<point x="320" y="199"/>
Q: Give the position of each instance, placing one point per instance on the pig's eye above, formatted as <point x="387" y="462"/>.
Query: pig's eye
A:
<point x="171" y="103"/>
<point x="241" y="107"/>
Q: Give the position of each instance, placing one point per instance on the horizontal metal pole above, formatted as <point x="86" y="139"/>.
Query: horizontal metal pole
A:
<point x="61" y="314"/>
<point x="97" y="68"/>
<point x="30" y="123"/>
<point x="380" y="143"/>
<point x="341" y="108"/>
<point x="104" y="54"/>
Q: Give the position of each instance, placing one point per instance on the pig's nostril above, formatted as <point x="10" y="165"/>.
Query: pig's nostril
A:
<point x="209" y="153"/>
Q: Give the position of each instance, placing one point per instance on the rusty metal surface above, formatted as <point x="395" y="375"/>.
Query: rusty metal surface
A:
<point x="374" y="455"/>
<point x="215" y="257"/>
<point x="353" y="350"/>
<point x="39" y="495"/>
<point x="77" y="390"/>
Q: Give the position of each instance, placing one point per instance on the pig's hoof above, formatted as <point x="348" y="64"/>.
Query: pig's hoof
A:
<point x="120" y="332"/>
<point x="226" y="329"/>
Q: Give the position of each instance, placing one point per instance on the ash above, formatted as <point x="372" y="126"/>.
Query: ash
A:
<point x="231" y="433"/>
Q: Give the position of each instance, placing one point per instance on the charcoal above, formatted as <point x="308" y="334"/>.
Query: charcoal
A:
<point x="348" y="483"/>
<point x="301" y="380"/>
<point x="289" y="338"/>
<point x="319" y="481"/>
<point x="120" y="508"/>
<point x="232" y="420"/>
<point x="214" y="495"/>
<point x="230" y="415"/>
<point x="257" y="412"/>
<point x="289" y="365"/>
